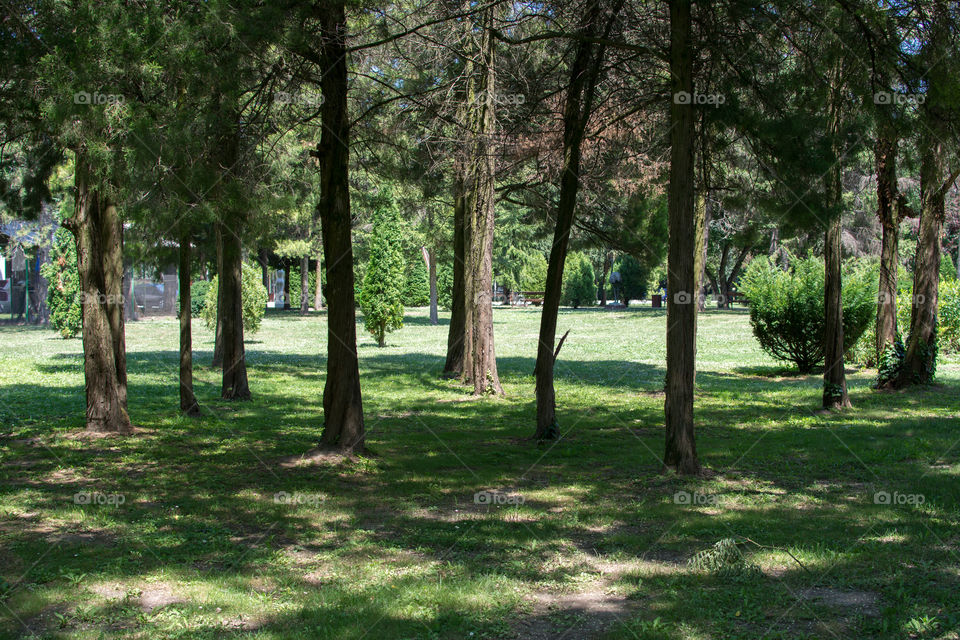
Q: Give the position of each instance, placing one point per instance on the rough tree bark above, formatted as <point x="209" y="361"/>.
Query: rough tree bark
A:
<point x="919" y="365"/>
<point x="889" y="214"/>
<point x="343" y="427"/>
<point x="234" y="385"/>
<point x="98" y="233"/>
<point x="584" y="74"/>
<point x="479" y="355"/>
<point x="834" y="377"/>
<point x="217" y="360"/>
<point x="681" y="452"/>
<point x="453" y="367"/>
<point x="188" y="402"/>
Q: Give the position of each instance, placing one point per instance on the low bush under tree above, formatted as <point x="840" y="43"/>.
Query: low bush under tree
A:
<point x="254" y="300"/>
<point x="786" y="308"/>
<point x="579" y="282"/>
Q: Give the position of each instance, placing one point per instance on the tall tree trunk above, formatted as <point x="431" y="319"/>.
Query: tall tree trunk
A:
<point x="584" y="75"/>
<point x="885" y="154"/>
<point x="188" y="402"/>
<point x="318" y="285"/>
<point x="235" y="385"/>
<point x="343" y="427"/>
<point x="702" y="231"/>
<point x="264" y="269"/>
<point x="681" y="451"/>
<point x="834" y="377"/>
<point x="434" y="315"/>
<point x="218" y="327"/>
<point x="453" y="367"/>
<point x="304" y="285"/>
<point x="98" y="233"/>
<point x="920" y="362"/>
<point x="479" y="356"/>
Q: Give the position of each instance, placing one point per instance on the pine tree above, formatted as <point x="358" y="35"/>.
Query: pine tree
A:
<point x="381" y="298"/>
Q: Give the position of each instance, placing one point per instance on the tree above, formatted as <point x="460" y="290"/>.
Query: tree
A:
<point x="681" y="451"/>
<point x="381" y="297"/>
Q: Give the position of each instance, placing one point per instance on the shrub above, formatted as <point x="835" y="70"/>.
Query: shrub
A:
<point x="382" y="291"/>
<point x="524" y="270"/>
<point x="634" y="278"/>
<point x="445" y="285"/>
<point x="579" y="282"/>
<point x="198" y="298"/>
<point x="948" y="314"/>
<point x="63" y="290"/>
<point x="786" y="308"/>
<point x="416" y="287"/>
<point x="253" y="296"/>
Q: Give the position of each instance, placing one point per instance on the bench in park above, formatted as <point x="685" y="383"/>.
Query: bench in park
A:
<point x="532" y="297"/>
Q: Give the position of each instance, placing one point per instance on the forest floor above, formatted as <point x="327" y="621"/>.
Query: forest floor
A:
<point x="459" y="526"/>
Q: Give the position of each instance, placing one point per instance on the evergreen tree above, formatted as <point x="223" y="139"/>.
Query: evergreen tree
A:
<point x="381" y="298"/>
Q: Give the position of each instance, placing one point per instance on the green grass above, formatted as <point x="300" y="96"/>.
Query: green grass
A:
<point x="394" y="546"/>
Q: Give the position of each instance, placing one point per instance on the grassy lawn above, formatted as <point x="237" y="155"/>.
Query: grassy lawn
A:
<point x="185" y="537"/>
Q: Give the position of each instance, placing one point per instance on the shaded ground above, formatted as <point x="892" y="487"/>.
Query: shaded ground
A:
<point x="227" y="526"/>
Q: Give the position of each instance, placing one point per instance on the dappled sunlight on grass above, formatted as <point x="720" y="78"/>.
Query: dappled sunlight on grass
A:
<point x="229" y="527"/>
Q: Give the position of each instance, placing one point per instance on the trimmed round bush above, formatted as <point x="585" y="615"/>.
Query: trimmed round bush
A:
<point x="786" y="308"/>
<point x="579" y="282"/>
<point x="253" y="296"/>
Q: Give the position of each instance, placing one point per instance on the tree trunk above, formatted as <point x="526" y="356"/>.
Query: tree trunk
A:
<point x="453" y="367"/>
<point x="479" y="356"/>
<point x="218" y="327"/>
<point x="834" y="378"/>
<point x="264" y="271"/>
<point x="434" y="316"/>
<point x="343" y="427"/>
<point x="681" y="451"/>
<point x="235" y="385"/>
<point x="318" y="285"/>
<point x="920" y="362"/>
<point x="188" y="402"/>
<point x="702" y="237"/>
<point x="98" y="233"/>
<point x="885" y="154"/>
<point x="584" y="75"/>
<point x="304" y="285"/>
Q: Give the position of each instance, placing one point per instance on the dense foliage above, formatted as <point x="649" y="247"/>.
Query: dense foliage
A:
<point x="579" y="282"/>
<point x="63" y="291"/>
<point x="786" y="307"/>
<point x="254" y="300"/>
<point x="633" y="278"/>
<point x="381" y="296"/>
<point x="416" y="287"/>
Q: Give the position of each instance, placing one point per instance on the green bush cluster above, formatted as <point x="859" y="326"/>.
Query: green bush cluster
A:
<point x="634" y="279"/>
<point x="295" y="286"/>
<point x="786" y="307"/>
<point x="63" y="290"/>
<point x="253" y="296"/>
<point x="579" y="282"/>
<point x="382" y="291"/>
<point x="416" y="287"/>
